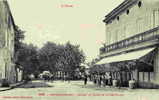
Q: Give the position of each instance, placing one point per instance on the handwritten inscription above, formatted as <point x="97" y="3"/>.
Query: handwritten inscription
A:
<point x="67" y="6"/>
<point x="17" y="97"/>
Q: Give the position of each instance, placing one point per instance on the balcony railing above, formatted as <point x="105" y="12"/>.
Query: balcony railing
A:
<point x="142" y="37"/>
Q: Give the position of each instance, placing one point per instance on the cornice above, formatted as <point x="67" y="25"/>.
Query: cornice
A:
<point x="119" y="9"/>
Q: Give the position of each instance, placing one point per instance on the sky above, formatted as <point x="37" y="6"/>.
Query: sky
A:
<point x="59" y="21"/>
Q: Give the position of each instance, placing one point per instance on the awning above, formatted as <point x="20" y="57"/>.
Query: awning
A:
<point x="126" y="56"/>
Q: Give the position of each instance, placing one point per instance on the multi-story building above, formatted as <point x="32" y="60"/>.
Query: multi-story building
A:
<point x="7" y="30"/>
<point x="132" y="32"/>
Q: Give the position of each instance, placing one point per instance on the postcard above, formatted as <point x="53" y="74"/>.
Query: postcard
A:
<point x="79" y="49"/>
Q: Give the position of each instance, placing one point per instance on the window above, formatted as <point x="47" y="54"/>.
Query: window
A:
<point x="139" y="4"/>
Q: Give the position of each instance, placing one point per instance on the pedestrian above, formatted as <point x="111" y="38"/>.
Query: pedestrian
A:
<point x="69" y="78"/>
<point x="104" y="81"/>
<point x="120" y="83"/>
<point x="100" y="80"/>
<point x="97" y="80"/>
<point x="109" y="80"/>
<point x="94" y="79"/>
<point x="85" y="79"/>
<point x="64" y="77"/>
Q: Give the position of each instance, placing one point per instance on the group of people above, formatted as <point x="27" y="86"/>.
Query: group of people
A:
<point x="99" y="79"/>
<point x="102" y="80"/>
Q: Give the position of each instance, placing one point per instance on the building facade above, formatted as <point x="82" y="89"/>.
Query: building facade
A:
<point x="7" y="30"/>
<point x="132" y="32"/>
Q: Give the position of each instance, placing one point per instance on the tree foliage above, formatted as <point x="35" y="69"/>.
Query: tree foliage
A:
<point x="48" y="56"/>
<point x="52" y="57"/>
<point x="65" y="57"/>
<point x="27" y="58"/>
<point x="19" y="36"/>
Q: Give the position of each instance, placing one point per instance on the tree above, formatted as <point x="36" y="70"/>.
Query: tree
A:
<point x="27" y="58"/>
<point x="58" y="57"/>
<point x="71" y="58"/>
<point x="48" y="56"/>
<point x="51" y="57"/>
<point x="19" y="36"/>
<point x="74" y="56"/>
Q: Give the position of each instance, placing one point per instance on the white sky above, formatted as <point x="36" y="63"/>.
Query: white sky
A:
<point x="46" y="20"/>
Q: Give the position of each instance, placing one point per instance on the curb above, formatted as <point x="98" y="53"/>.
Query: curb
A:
<point x="12" y="87"/>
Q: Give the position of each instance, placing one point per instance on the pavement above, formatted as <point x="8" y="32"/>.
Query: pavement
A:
<point x="12" y="86"/>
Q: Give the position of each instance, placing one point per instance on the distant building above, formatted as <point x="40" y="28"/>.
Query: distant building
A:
<point x="7" y="30"/>
<point x="132" y="33"/>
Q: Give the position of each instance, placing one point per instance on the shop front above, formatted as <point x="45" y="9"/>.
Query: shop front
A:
<point x="138" y="66"/>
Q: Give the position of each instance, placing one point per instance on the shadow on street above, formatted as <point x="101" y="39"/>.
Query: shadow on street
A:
<point x="36" y="84"/>
<point x="107" y="88"/>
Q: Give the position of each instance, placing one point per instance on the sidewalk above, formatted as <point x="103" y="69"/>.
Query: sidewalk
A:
<point x="12" y="86"/>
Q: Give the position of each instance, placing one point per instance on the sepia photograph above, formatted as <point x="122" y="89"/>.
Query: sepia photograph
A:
<point x="79" y="49"/>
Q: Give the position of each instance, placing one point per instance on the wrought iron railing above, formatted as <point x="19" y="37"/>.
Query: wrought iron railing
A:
<point x="142" y="37"/>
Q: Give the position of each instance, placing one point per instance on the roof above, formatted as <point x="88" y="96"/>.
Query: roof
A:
<point x="8" y="8"/>
<point x="119" y="9"/>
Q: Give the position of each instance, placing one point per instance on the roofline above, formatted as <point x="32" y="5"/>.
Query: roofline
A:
<point x="119" y="9"/>
<point x="10" y="13"/>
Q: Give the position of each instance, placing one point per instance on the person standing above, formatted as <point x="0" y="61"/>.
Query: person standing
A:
<point x="94" y="79"/>
<point x="100" y="80"/>
<point x="104" y="81"/>
<point x="109" y="80"/>
<point x="68" y="78"/>
<point x="64" y="77"/>
<point x="85" y="79"/>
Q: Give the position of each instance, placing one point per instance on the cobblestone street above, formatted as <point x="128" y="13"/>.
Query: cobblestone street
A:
<point x="75" y="90"/>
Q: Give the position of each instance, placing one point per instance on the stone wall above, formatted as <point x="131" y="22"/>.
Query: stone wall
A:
<point x="7" y="69"/>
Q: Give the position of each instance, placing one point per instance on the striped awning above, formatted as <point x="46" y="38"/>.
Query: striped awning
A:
<point x="126" y="56"/>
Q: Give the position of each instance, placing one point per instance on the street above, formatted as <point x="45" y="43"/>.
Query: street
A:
<point x="75" y="90"/>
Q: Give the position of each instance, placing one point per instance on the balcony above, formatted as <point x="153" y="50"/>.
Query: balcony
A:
<point x="149" y="35"/>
